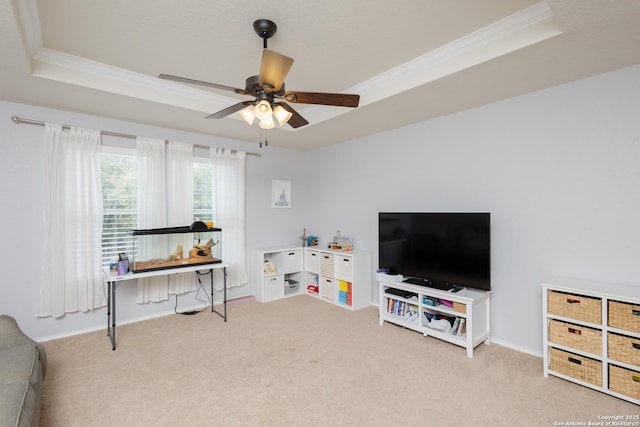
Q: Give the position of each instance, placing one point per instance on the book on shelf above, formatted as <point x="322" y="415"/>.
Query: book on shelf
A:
<point x="458" y="328"/>
<point x="400" y="308"/>
<point x="456" y="325"/>
<point x="463" y="327"/>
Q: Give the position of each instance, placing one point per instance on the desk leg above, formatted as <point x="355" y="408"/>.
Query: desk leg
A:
<point x="211" y="279"/>
<point x="224" y="288"/>
<point x="111" y="313"/>
<point x="108" y="308"/>
<point x="224" y="291"/>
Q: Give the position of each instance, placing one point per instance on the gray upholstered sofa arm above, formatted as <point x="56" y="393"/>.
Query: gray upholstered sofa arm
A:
<point x="23" y="364"/>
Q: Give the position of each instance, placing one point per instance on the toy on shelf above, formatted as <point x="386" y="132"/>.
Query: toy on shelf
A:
<point x="308" y="240"/>
<point x="341" y="243"/>
<point x="304" y="237"/>
<point x="269" y="268"/>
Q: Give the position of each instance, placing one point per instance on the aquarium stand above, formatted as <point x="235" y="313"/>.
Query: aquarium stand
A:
<point x="113" y="280"/>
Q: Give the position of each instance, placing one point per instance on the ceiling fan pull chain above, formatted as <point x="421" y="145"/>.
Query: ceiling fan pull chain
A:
<point x="266" y="141"/>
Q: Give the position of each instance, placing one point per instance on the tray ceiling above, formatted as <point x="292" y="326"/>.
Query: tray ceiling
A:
<point x="410" y="61"/>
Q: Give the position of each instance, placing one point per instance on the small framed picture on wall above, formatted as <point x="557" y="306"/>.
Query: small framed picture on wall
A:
<point x="280" y="194"/>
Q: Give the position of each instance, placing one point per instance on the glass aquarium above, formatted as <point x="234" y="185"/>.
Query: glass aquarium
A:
<point x="174" y="247"/>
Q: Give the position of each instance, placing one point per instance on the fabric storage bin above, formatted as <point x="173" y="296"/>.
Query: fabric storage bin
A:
<point x="344" y="267"/>
<point x="624" y="349"/>
<point x="326" y="265"/>
<point x="576" y="366"/>
<point x="273" y="287"/>
<point x="312" y="261"/>
<point x="575" y="336"/>
<point x="624" y="315"/>
<point x="293" y="260"/>
<point x="291" y="287"/>
<point x="624" y="381"/>
<point x="459" y="307"/>
<point x="578" y="307"/>
<point x="328" y="288"/>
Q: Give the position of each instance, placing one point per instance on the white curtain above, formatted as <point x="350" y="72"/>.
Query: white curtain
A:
<point x="228" y="188"/>
<point x="180" y="207"/>
<point x="73" y="222"/>
<point x="152" y="208"/>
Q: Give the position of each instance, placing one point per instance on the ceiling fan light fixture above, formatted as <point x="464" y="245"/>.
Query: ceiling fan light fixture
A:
<point x="267" y="124"/>
<point x="263" y="110"/>
<point x="247" y="114"/>
<point x="282" y="115"/>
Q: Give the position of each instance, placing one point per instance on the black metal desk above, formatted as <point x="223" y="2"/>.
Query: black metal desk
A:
<point x="113" y="280"/>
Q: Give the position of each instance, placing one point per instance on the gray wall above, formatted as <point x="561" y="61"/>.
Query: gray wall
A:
<point x="557" y="169"/>
<point x="21" y="170"/>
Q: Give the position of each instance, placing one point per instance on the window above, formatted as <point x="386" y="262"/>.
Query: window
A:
<point x="119" y="170"/>
<point x="202" y="190"/>
<point x="119" y="195"/>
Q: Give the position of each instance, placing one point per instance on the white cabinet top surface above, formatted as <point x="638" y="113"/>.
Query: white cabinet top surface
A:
<point x="334" y="251"/>
<point x="594" y="287"/>
<point x="466" y="294"/>
<point x="278" y="248"/>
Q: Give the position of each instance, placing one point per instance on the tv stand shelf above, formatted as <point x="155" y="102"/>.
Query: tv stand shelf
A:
<point x="410" y="306"/>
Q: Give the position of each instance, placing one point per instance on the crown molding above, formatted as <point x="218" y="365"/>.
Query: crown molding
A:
<point x="28" y="19"/>
<point x="519" y="30"/>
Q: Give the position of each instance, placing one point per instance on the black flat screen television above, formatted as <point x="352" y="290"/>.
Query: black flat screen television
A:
<point x="448" y="251"/>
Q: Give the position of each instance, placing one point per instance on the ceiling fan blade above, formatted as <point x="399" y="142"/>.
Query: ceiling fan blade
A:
<point x="229" y="110"/>
<point x="201" y="83"/>
<point x="273" y="70"/>
<point x="337" y="99"/>
<point x="296" y="119"/>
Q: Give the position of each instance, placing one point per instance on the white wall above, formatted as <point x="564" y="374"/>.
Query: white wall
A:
<point x="21" y="171"/>
<point x="558" y="169"/>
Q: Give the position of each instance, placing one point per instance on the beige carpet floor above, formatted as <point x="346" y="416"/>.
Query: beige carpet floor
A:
<point x="301" y="362"/>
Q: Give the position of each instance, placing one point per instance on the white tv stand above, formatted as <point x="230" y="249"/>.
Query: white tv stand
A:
<point x="469" y="304"/>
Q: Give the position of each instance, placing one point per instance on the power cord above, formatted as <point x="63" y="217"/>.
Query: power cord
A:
<point x="207" y="302"/>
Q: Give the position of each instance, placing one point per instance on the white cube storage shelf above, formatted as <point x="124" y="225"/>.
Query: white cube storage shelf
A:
<point x="341" y="278"/>
<point x="282" y="278"/>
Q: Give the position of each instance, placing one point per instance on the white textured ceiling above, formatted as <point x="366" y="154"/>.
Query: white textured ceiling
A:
<point x="410" y="60"/>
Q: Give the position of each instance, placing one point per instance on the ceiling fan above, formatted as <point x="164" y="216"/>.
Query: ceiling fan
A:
<point x="268" y="90"/>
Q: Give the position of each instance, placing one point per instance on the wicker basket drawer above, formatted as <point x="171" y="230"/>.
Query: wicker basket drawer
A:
<point x="624" y="316"/>
<point x="624" y="349"/>
<point x="578" y="367"/>
<point x="624" y="381"/>
<point x="575" y="336"/>
<point x="578" y="307"/>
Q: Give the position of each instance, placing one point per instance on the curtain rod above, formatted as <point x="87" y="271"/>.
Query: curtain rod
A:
<point x="18" y="120"/>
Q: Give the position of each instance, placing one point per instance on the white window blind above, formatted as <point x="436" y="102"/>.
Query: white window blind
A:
<point x="202" y="208"/>
<point x="119" y="192"/>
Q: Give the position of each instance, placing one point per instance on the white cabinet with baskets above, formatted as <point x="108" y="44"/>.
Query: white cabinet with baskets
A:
<point x="591" y="335"/>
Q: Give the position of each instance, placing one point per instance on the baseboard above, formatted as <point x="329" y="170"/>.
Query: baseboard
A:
<point x="193" y="307"/>
<point x="515" y="347"/>
<point x="505" y="344"/>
